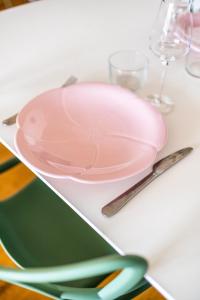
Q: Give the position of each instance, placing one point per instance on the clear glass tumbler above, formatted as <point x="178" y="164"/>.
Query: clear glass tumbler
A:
<point x="128" y="68"/>
<point x="193" y="63"/>
<point x="193" y="58"/>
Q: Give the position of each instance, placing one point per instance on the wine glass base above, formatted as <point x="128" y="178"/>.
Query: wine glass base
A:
<point x="164" y="104"/>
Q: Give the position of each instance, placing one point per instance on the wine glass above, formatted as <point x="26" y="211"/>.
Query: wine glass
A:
<point x="166" y="42"/>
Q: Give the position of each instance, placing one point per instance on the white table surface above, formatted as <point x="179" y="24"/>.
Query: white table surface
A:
<point x="45" y="42"/>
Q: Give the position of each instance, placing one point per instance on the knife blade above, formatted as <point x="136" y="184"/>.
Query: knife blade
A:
<point x="159" y="168"/>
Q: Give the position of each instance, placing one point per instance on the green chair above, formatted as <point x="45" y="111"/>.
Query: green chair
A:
<point x="61" y="255"/>
<point x="6" y="161"/>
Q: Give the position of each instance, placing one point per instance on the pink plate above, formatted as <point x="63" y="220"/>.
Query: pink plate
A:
<point x="90" y="132"/>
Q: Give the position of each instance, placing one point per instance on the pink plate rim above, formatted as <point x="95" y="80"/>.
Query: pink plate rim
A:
<point x="82" y="180"/>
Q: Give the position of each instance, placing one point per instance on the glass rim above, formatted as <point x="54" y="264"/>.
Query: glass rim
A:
<point x="140" y="53"/>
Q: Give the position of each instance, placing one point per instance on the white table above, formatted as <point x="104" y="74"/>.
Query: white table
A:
<point x="41" y="45"/>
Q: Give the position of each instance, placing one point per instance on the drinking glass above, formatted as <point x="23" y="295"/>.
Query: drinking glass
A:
<point x="128" y="68"/>
<point x="193" y="63"/>
<point x="193" y="58"/>
<point x="167" y="43"/>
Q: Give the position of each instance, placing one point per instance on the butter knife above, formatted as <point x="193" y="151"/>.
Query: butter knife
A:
<point x="159" y="168"/>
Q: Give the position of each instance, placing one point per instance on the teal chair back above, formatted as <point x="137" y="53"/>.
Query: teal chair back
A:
<point x="133" y="270"/>
<point x="57" y="249"/>
<point x="5" y="165"/>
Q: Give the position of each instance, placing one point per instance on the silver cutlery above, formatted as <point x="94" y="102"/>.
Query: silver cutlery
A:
<point x="12" y="119"/>
<point x="159" y="168"/>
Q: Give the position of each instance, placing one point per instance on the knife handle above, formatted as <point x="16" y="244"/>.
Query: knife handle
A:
<point x="115" y="205"/>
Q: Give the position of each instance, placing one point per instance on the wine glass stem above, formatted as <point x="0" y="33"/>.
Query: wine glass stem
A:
<point x="163" y="78"/>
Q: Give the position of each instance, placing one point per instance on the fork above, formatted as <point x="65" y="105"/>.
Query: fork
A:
<point x="12" y="119"/>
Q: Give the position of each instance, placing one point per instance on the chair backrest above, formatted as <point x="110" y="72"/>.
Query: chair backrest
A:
<point x="43" y="280"/>
<point x="6" y="3"/>
<point x="7" y="160"/>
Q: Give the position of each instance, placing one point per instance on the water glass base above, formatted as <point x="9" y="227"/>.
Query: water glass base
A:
<point x="194" y="68"/>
